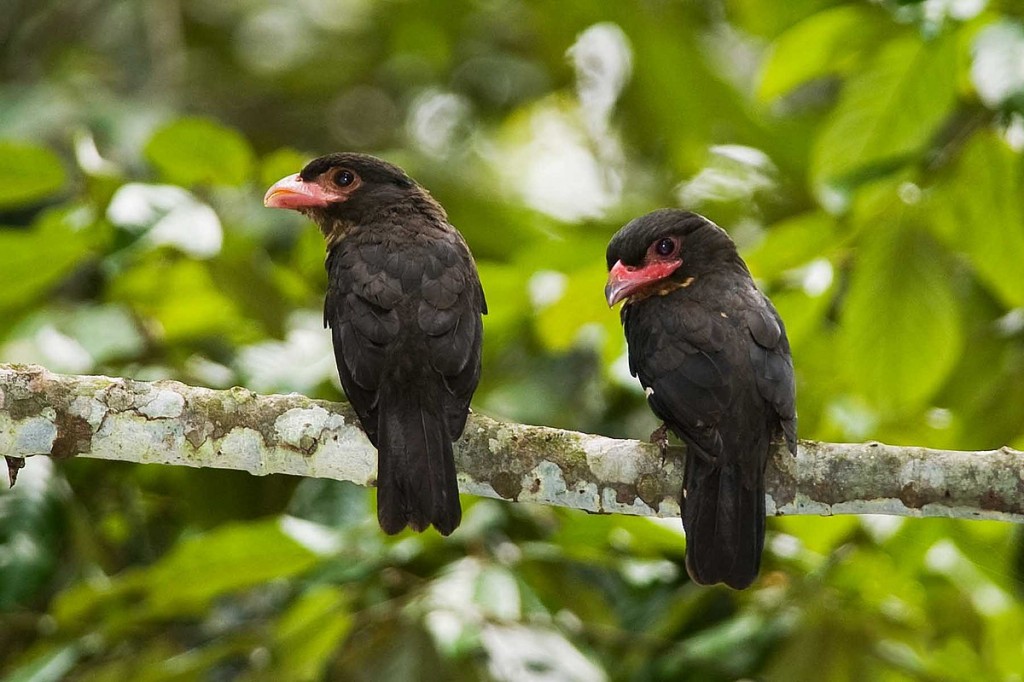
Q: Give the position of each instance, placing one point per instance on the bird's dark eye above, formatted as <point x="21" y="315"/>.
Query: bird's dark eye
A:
<point x="344" y="178"/>
<point x="664" y="247"/>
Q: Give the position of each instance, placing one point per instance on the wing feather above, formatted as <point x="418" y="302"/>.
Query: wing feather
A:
<point x="678" y="355"/>
<point x="773" y="366"/>
<point x="436" y="283"/>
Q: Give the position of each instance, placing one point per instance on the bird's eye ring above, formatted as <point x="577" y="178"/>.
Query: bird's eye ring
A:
<point x="665" y="247"/>
<point x="344" y="178"/>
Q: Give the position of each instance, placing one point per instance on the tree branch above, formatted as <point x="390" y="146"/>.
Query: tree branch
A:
<point x="42" y="413"/>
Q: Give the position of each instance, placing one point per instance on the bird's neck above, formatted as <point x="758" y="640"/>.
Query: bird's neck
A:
<point x="418" y="208"/>
<point x="424" y="204"/>
<point x="335" y="230"/>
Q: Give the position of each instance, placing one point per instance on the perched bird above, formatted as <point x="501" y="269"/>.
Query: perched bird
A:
<point x="404" y="305"/>
<point x="712" y="355"/>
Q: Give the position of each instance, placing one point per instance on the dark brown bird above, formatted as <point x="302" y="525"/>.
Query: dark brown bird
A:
<point x="404" y="306"/>
<point x="712" y="354"/>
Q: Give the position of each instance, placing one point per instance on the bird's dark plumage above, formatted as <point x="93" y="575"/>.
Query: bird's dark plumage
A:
<point x="404" y="306"/>
<point x="712" y="354"/>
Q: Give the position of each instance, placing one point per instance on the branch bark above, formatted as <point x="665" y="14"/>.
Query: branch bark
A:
<point x="42" y="413"/>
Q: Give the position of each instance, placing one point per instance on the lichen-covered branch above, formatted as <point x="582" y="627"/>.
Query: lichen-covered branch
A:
<point x="42" y="413"/>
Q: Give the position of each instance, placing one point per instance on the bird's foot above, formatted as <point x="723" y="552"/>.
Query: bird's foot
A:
<point x="660" y="438"/>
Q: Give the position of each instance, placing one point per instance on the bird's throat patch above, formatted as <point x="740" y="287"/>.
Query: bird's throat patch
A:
<point x="336" y="231"/>
<point x="659" y="288"/>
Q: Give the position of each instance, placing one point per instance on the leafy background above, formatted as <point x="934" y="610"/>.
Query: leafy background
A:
<point x="866" y="156"/>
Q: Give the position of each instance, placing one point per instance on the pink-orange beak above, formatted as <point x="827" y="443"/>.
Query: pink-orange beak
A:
<point x="292" y="192"/>
<point x="624" y="281"/>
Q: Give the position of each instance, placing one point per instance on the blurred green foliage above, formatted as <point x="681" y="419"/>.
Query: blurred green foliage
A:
<point x="866" y="156"/>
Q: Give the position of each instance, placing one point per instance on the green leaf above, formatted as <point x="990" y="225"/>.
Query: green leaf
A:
<point x="671" y="68"/>
<point x="37" y="258"/>
<point x="592" y="538"/>
<point x="196" y="571"/>
<point x="802" y="313"/>
<point x="978" y="210"/>
<point x="496" y="593"/>
<point x="184" y="298"/>
<point x="504" y="323"/>
<point x="310" y="631"/>
<point x="192" y="151"/>
<point x="887" y="113"/>
<point x="52" y="666"/>
<point x="582" y="306"/>
<point x="108" y="332"/>
<point x="769" y="19"/>
<point x="831" y="42"/>
<point x="819" y="534"/>
<point x="900" y="325"/>
<point x="231" y="558"/>
<point x="28" y="174"/>
<point x="338" y="504"/>
<point x="793" y="242"/>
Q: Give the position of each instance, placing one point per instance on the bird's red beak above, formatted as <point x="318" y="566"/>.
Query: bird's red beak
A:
<point x="292" y="192"/>
<point x="624" y="281"/>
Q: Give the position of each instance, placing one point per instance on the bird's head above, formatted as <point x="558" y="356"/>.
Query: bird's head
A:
<point x="662" y="251"/>
<point x="338" y="191"/>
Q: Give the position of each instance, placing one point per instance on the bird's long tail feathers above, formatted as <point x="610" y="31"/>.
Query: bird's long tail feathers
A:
<point x="416" y="483"/>
<point x="724" y="524"/>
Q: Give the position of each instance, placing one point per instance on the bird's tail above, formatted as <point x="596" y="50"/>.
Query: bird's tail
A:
<point x="724" y="523"/>
<point x="416" y="484"/>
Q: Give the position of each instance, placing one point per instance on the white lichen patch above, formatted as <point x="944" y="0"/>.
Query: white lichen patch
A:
<point x="88" y="408"/>
<point x="610" y="503"/>
<point x="246" y="450"/>
<point x="615" y="461"/>
<point x="349" y="457"/>
<point x="922" y="471"/>
<point x="340" y="450"/>
<point x="546" y="483"/>
<point x="123" y="436"/>
<point x="162" y="405"/>
<point x="669" y="508"/>
<point x="801" y="504"/>
<point x="960" y="512"/>
<point x="882" y="505"/>
<point x="502" y="439"/>
<point x="301" y="428"/>
<point x="772" y="508"/>
<point x="31" y="436"/>
<point x="116" y="396"/>
<point x="471" y="486"/>
<point x="879" y="505"/>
